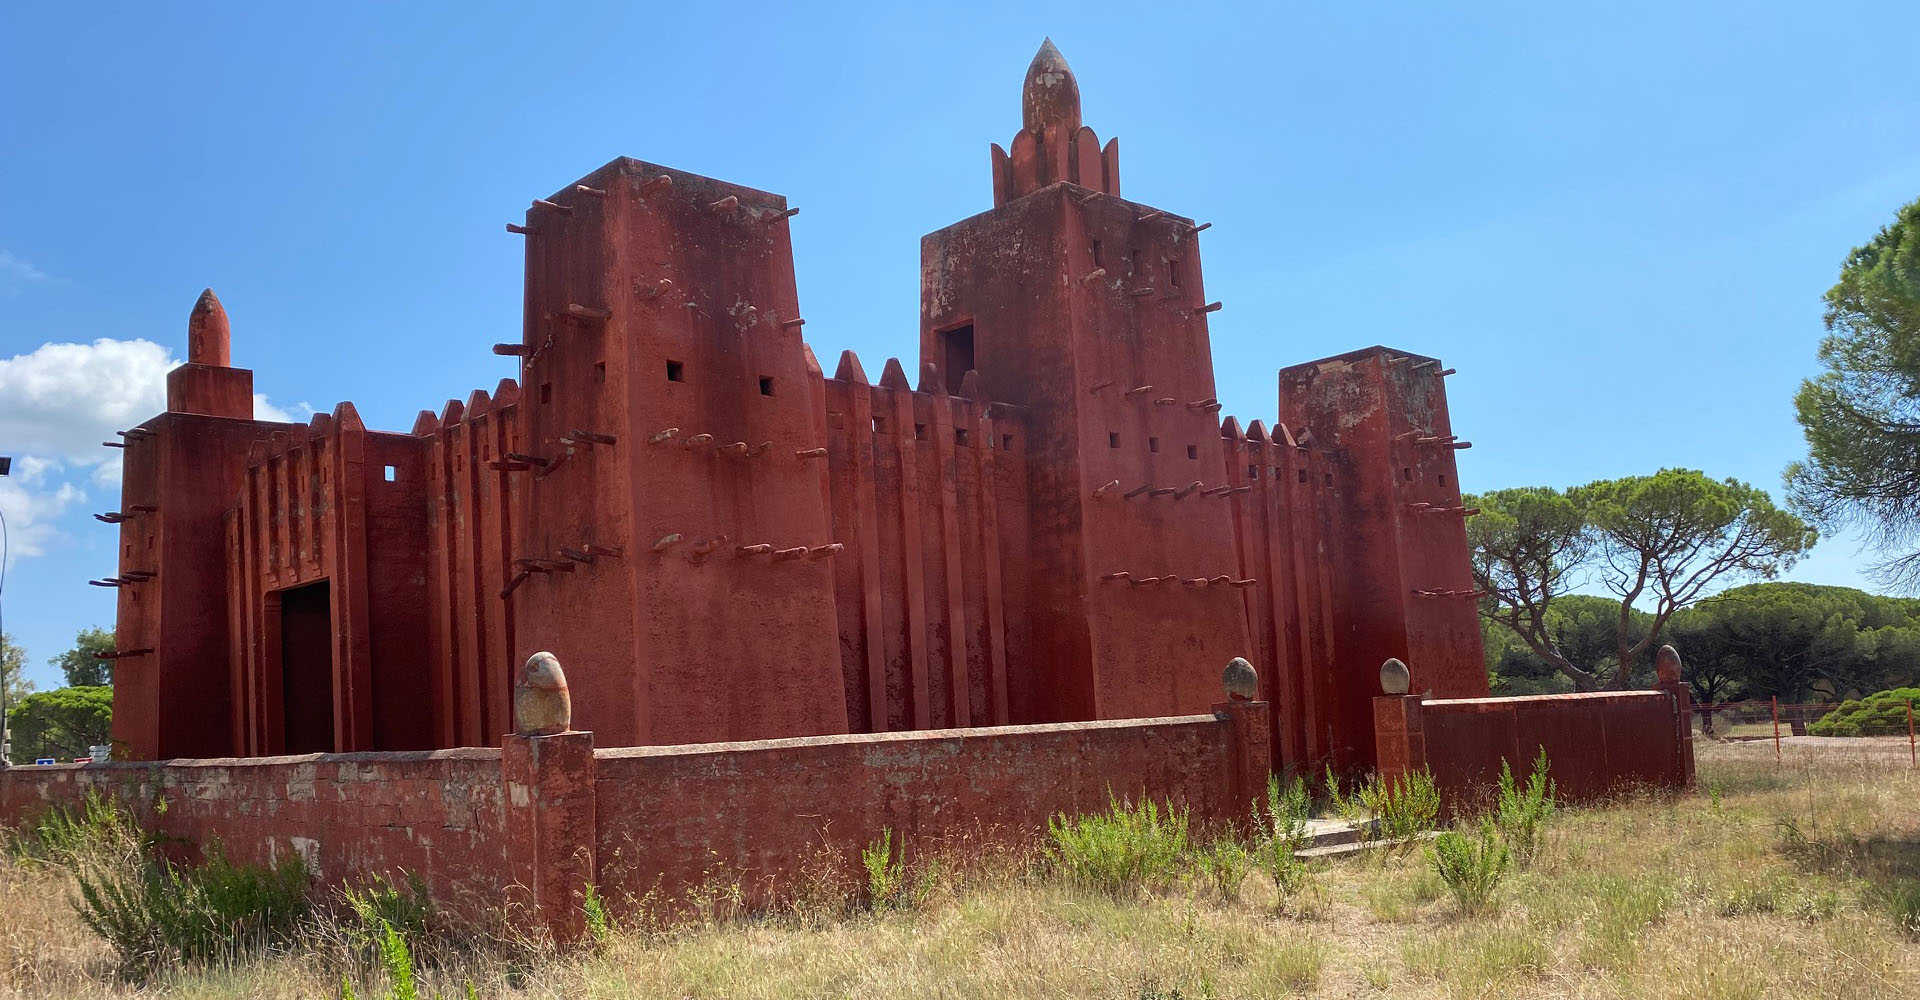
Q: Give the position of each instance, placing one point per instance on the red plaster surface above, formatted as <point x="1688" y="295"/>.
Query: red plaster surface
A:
<point x="670" y="815"/>
<point x="1596" y="744"/>
<point x="351" y="815"/>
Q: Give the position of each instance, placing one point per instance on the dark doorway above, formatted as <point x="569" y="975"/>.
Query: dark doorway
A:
<point x="306" y="668"/>
<point x="959" y="349"/>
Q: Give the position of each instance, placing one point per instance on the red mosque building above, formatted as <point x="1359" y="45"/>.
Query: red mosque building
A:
<point x="1046" y="520"/>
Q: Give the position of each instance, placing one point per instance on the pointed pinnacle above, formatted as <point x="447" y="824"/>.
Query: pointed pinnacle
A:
<point x="209" y="338"/>
<point x="1050" y="95"/>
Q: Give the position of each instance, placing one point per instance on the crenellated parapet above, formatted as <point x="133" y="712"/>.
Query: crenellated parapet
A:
<point x="928" y="495"/>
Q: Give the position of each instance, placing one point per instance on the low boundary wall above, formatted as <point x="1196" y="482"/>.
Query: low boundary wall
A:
<point x="533" y="824"/>
<point x="1597" y="744"/>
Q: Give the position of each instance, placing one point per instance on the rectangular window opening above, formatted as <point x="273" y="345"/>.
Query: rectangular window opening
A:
<point x="1193" y="452"/>
<point x="1153" y="444"/>
<point x="957" y="345"/>
<point x="1443" y="479"/>
<point x="393" y="471"/>
<point x="600" y="372"/>
<point x="1303" y="475"/>
<point x="766" y="385"/>
<point x="1097" y="261"/>
<point x="546" y="392"/>
<point x="879" y="425"/>
<point x="1173" y="271"/>
<point x="1006" y="442"/>
<point x="1407" y="474"/>
<point x="960" y="437"/>
<point x="676" y="372"/>
<point x="919" y="432"/>
<point x="1329" y="479"/>
<point x="1113" y="439"/>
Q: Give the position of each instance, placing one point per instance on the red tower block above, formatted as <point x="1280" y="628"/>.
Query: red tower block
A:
<point x="673" y="532"/>
<point x="1394" y="531"/>
<point x="1087" y="310"/>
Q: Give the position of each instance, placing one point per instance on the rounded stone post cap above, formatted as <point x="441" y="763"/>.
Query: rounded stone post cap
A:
<point x="1666" y="664"/>
<point x="541" y="704"/>
<point x="1240" y="680"/>
<point x="1395" y="678"/>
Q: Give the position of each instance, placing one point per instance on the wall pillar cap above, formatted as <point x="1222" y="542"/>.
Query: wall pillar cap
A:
<point x="541" y="703"/>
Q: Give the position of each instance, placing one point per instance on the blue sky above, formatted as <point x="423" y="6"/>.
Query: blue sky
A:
<point x="1616" y="220"/>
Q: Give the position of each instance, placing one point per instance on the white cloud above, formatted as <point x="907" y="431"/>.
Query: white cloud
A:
<point x="60" y="402"/>
<point x="15" y="271"/>
<point x="64" y="399"/>
<point x="32" y="503"/>
<point x="263" y="410"/>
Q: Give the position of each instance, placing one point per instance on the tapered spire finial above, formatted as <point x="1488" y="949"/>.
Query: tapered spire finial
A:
<point x="209" y="340"/>
<point x="1051" y="96"/>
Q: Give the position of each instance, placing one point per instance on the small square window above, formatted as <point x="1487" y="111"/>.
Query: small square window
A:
<point x="1407" y="474"/>
<point x="600" y="371"/>
<point x="1253" y="472"/>
<point x="766" y="385"/>
<point x="676" y="372"/>
<point x="1113" y="439"/>
<point x="1006" y="442"/>
<point x="392" y="471"/>
<point x="879" y="425"/>
<point x="919" y="432"/>
<point x="1303" y="475"/>
<point x="1193" y="452"/>
<point x="960" y="436"/>
<point x="1153" y="444"/>
<point x="1329" y="479"/>
<point x="546" y="392"/>
<point x="1276" y="473"/>
<point x="1443" y="479"/>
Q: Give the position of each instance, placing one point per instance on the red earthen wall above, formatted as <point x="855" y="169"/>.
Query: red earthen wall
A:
<point x="670" y="816"/>
<point x="352" y="816"/>
<point x="532" y="825"/>
<point x="1597" y="744"/>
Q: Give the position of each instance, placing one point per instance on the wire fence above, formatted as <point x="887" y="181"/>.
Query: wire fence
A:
<point x="1876" y="722"/>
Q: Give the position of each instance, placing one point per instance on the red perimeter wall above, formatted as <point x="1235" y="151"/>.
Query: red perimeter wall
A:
<point x="531" y="826"/>
<point x="1597" y="744"/>
<point x="352" y="815"/>
<point x="669" y="815"/>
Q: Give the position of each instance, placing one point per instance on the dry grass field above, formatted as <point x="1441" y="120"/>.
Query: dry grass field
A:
<point x="1772" y="881"/>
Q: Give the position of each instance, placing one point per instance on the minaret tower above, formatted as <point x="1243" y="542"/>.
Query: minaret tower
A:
<point x="1087" y="309"/>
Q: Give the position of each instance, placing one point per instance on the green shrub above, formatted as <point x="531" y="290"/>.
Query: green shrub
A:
<point x="64" y="836"/>
<point x="890" y="885"/>
<point x="397" y="959"/>
<point x="1224" y="864"/>
<point x="886" y="874"/>
<point x="1881" y="714"/>
<point x="1471" y="867"/>
<point x="1521" y="813"/>
<point x="154" y="912"/>
<point x="1395" y="812"/>
<point x="1281" y="833"/>
<point x="1121" y="851"/>
<point x="380" y="904"/>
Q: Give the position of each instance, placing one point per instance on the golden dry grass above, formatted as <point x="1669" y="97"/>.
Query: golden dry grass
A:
<point x="1703" y="896"/>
